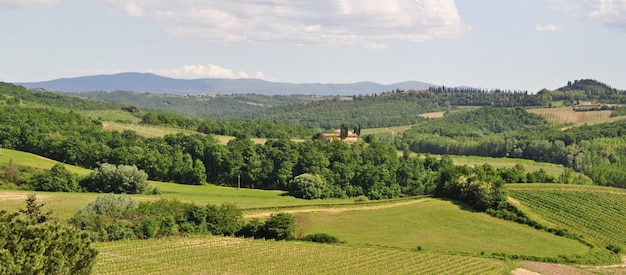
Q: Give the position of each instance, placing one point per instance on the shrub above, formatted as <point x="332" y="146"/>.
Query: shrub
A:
<point x="29" y="246"/>
<point x="109" y="178"/>
<point x="361" y="198"/>
<point x="320" y="238"/>
<point x="615" y="249"/>
<point x="57" y="179"/>
<point x="279" y="226"/>
<point x="109" y="204"/>
<point x="254" y="228"/>
<point x="308" y="186"/>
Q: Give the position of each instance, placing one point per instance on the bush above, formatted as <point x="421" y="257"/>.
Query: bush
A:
<point x="361" y="198"/>
<point x="279" y="226"/>
<point x="254" y="229"/>
<point x="29" y="246"/>
<point x="109" y="178"/>
<point x="57" y="179"/>
<point x="308" y="186"/>
<point x="109" y="204"/>
<point x="320" y="238"/>
<point x="115" y="217"/>
<point x="615" y="249"/>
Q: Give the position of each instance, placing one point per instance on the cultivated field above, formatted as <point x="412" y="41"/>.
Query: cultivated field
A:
<point x="145" y="130"/>
<point x="562" y="115"/>
<point x="595" y="212"/>
<point x="224" y="255"/>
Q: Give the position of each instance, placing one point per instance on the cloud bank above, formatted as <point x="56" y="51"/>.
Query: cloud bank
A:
<point x="205" y="71"/>
<point x="20" y="4"/>
<point x="611" y="13"/>
<point x="547" y="28"/>
<point x="372" y="23"/>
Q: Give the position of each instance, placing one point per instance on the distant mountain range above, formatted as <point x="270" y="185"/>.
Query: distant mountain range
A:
<point x="147" y="82"/>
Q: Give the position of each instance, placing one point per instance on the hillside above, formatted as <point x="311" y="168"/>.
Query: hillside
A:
<point x="146" y="82"/>
<point x="586" y="90"/>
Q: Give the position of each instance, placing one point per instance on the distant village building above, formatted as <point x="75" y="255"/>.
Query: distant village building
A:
<point x="336" y="135"/>
<point x="585" y="103"/>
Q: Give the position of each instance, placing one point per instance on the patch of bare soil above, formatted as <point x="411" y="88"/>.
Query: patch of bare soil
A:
<point x="12" y="196"/>
<point x="552" y="269"/>
<point x="522" y="271"/>
<point x="332" y="210"/>
<point x="608" y="269"/>
<point x="6" y="196"/>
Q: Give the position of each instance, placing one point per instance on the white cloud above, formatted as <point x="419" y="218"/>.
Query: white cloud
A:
<point x="204" y="71"/>
<point x="547" y="28"/>
<point x="18" y="4"/>
<point x="373" y="45"/>
<point x="611" y="13"/>
<point x="367" y="22"/>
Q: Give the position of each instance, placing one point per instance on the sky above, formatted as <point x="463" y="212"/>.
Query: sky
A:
<point x="511" y="44"/>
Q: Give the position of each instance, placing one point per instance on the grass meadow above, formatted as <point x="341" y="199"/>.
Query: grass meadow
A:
<point x="111" y="115"/>
<point x="529" y="165"/>
<point x="35" y="161"/>
<point x="440" y="226"/>
<point x="145" y="130"/>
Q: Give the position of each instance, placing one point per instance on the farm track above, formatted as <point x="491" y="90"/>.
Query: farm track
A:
<point x="332" y="210"/>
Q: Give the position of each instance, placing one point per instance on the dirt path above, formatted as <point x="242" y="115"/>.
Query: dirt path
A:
<point x="333" y="209"/>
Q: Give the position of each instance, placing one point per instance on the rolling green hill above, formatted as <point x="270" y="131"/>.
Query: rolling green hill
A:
<point x="35" y="161"/>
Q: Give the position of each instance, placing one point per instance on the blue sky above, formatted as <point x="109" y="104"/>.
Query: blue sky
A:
<point x="510" y="44"/>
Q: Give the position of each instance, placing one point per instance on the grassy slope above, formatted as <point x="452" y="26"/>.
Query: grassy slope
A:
<point x="64" y="205"/>
<point x="111" y="115"/>
<point x="28" y="159"/>
<point x="145" y="130"/>
<point x="438" y="225"/>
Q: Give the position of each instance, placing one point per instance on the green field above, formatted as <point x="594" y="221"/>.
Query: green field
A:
<point x="223" y="255"/>
<point x="150" y="131"/>
<point x="595" y="212"/>
<point x="64" y="205"/>
<point x="111" y="115"/>
<point x="529" y="165"/>
<point x="391" y="130"/>
<point x="32" y="160"/>
<point x="145" y="130"/>
<point x="442" y="226"/>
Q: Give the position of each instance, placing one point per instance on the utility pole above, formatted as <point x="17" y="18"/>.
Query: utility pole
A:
<point x="238" y="181"/>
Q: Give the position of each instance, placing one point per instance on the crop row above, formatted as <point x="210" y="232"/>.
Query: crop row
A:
<point x="596" y="213"/>
<point x="220" y="255"/>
